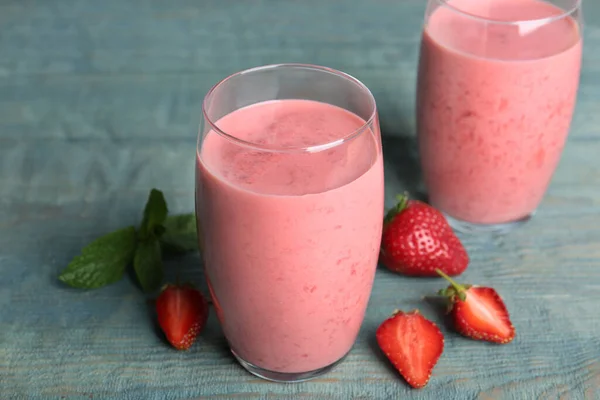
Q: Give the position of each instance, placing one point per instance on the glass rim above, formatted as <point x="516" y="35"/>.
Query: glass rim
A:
<point x="281" y="149"/>
<point x="535" y="21"/>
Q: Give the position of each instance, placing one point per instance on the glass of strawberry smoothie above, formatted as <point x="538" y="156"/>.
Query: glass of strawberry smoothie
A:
<point x="289" y="201"/>
<point x="496" y="91"/>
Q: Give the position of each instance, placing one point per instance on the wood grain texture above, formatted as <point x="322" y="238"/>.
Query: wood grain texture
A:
<point x="99" y="102"/>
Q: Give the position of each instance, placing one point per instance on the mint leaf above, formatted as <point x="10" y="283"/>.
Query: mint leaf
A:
<point x="148" y="264"/>
<point x="101" y="262"/>
<point x="155" y="214"/>
<point x="180" y="234"/>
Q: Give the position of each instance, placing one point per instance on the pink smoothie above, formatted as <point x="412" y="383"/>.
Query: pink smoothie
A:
<point x="494" y="106"/>
<point x="291" y="239"/>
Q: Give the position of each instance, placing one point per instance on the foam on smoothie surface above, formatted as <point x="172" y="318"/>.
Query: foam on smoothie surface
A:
<point x="289" y="124"/>
<point x="523" y="41"/>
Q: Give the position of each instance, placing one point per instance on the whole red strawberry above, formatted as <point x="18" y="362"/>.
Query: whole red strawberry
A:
<point x="413" y="344"/>
<point x="478" y="312"/>
<point x="182" y="313"/>
<point x="417" y="239"/>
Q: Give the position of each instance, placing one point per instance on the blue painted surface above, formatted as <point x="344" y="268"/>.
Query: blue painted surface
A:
<point x="99" y="102"/>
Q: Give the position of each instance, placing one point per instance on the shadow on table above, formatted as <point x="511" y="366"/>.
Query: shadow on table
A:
<point x="401" y="157"/>
<point x="438" y="305"/>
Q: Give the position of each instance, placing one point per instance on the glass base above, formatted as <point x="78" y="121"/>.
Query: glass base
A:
<point x="285" y="377"/>
<point x="496" y="229"/>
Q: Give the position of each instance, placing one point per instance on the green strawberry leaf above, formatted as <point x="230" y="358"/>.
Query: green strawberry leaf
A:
<point x="148" y="264"/>
<point x="155" y="214"/>
<point x="101" y="262"/>
<point x="180" y="234"/>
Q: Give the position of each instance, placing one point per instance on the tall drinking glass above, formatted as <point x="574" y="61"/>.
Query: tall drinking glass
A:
<point x="496" y="91"/>
<point x="289" y="201"/>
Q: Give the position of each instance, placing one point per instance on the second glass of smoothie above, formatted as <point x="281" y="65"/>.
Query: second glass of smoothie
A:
<point x="496" y="91"/>
<point x="289" y="201"/>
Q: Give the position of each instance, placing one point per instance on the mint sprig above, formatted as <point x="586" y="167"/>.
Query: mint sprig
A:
<point x="104" y="260"/>
<point x="101" y="262"/>
<point x="180" y="234"/>
<point x="147" y="261"/>
<point x="148" y="264"/>
<point x="155" y="214"/>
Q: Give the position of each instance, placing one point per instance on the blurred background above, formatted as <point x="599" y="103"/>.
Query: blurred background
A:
<point x="83" y="80"/>
<point x="89" y="88"/>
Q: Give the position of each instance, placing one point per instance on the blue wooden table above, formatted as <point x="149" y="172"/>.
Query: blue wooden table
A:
<point x="100" y="101"/>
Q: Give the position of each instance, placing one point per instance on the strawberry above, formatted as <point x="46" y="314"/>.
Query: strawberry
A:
<point x="182" y="313"/>
<point x="417" y="239"/>
<point x="478" y="312"/>
<point x="413" y="344"/>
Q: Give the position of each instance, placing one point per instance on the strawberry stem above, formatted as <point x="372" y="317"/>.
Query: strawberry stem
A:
<point x="402" y="200"/>
<point x="460" y="289"/>
<point x="402" y="203"/>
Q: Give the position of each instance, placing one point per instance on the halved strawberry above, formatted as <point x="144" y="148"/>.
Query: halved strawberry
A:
<point x="478" y="312"/>
<point x="182" y="313"/>
<point x="413" y="344"/>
